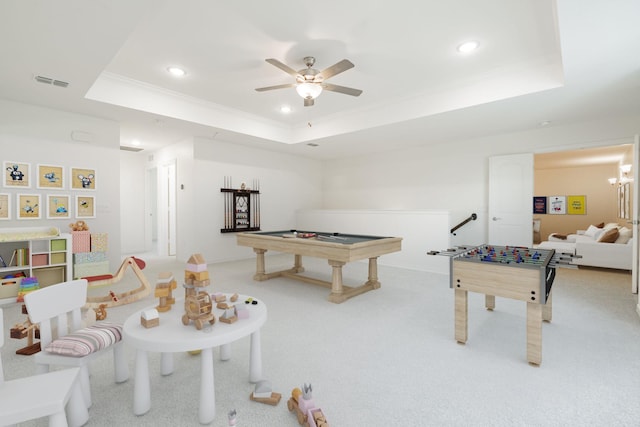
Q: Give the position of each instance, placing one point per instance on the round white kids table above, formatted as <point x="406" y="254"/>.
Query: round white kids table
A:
<point x="172" y="336"/>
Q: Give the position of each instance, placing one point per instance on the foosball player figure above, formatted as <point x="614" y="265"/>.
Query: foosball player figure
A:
<point x="164" y="291"/>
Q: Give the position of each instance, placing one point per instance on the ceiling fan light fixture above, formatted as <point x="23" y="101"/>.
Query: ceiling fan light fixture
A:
<point x="309" y="90"/>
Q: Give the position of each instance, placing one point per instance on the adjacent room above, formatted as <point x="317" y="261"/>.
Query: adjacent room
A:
<point x="348" y="213"/>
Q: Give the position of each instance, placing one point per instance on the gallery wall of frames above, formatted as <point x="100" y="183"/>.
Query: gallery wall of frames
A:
<point x="39" y="191"/>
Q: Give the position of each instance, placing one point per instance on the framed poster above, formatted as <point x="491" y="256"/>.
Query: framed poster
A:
<point x="5" y="206"/>
<point x="50" y="176"/>
<point x="28" y="206"/>
<point x="557" y="205"/>
<point x="577" y="205"/>
<point x="58" y="206"/>
<point x="83" y="179"/>
<point x="16" y="174"/>
<point x="85" y="207"/>
<point x="540" y="205"/>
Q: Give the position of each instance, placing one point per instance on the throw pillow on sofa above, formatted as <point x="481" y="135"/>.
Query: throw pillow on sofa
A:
<point x="609" y="236"/>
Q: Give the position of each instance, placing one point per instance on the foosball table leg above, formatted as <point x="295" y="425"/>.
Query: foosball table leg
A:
<point x="534" y="333"/>
<point x="461" y="319"/>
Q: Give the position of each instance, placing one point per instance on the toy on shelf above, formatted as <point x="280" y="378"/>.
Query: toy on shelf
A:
<point x="79" y="226"/>
<point x="308" y="414"/>
<point x="113" y="299"/>
<point x="28" y="284"/>
<point x="164" y="291"/>
<point x="264" y="394"/>
<point x="101" y="312"/>
<point x="198" y="305"/>
<point x="27" y="330"/>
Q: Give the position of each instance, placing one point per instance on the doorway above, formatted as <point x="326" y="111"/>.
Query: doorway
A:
<point x="160" y="224"/>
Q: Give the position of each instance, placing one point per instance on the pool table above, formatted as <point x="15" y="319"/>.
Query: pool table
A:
<point x="337" y="248"/>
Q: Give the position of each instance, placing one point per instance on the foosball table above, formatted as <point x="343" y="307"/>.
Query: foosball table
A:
<point x="520" y="273"/>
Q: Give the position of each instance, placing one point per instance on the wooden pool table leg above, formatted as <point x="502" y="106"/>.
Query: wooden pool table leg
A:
<point x="534" y="333"/>
<point x="461" y="320"/>
<point x="337" y="290"/>
<point x="297" y="264"/>
<point x="373" y="273"/>
<point x="260" y="272"/>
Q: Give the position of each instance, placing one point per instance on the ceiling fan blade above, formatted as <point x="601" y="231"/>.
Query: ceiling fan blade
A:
<point x="282" y="66"/>
<point x="337" y="68"/>
<point x="308" y="102"/>
<point x="263" y="89"/>
<point x="341" y="89"/>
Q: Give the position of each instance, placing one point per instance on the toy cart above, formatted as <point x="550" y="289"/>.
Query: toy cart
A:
<point x="198" y="308"/>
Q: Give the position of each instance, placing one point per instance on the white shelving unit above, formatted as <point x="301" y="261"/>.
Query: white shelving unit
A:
<point x="48" y="259"/>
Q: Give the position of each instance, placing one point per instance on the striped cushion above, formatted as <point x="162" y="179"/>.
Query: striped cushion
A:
<point x="86" y="341"/>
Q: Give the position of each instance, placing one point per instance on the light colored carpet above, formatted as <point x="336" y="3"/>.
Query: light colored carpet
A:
<point x="389" y="358"/>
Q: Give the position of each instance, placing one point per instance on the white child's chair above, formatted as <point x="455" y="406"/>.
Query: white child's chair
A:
<point x="45" y="395"/>
<point x="58" y="308"/>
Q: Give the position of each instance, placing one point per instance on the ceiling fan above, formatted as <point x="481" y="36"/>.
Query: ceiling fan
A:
<point x="310" y="82"/>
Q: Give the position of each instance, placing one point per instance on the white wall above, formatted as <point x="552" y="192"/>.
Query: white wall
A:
<point x="453" y="176"/>
<point x="38" y="135"/>
<point x="132" y="199"/>
<point x="287" y="184"/>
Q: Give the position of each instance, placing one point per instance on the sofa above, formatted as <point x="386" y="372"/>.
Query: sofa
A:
<point x="608" y="246"/>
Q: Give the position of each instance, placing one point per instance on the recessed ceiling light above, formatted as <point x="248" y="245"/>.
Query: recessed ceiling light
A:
<point x="176" y="71"/>
<point x="135" y="143"/>
<point x="544" y="123"/>
<point x="468" y="47"/>
<point x="285" y="109"/>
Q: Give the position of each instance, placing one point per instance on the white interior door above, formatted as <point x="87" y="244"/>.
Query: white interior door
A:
<point x="511" y="200"/>
<point x="167" y="209"/>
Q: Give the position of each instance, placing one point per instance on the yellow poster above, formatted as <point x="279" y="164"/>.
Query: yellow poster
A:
<point x="577" y="205"/>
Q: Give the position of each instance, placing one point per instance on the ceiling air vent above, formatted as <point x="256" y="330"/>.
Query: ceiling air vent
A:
<point x="134" y="149"/>
<point x="50" y="81"/>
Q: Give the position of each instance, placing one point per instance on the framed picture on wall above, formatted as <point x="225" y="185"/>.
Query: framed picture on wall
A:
<point x="557" y="205"/>
<point x="16" y="174"/>
<point x="577" y="205"/>
<point x="28" y="206"/>
<point x="5" y="206"/>
<point x="83" y="179"/>
<point x="85" y="207"/>
<point x="58" y="206"/>
<point x="50" y="176"/>
<point x="540" y="205"/>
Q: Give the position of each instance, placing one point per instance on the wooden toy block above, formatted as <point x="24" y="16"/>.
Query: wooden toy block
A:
<point x="150" y="318"/>
<point x="198" y="283"/>
<point x="161" y="292"/>
<point x="229" y="320"/>
<point x="218" y="297"/>
<point x="196" y="275"/>
<point x="196" y="263"/>
<point x="273" y="399"/>
<point x="234" y="298"/>
<point x="222" y="305"/>
<point x="242" y="312"/>
<point x="150" y="323"/>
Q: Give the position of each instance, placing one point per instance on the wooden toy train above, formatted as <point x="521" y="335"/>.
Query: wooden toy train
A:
<point x="308" y="414"/>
